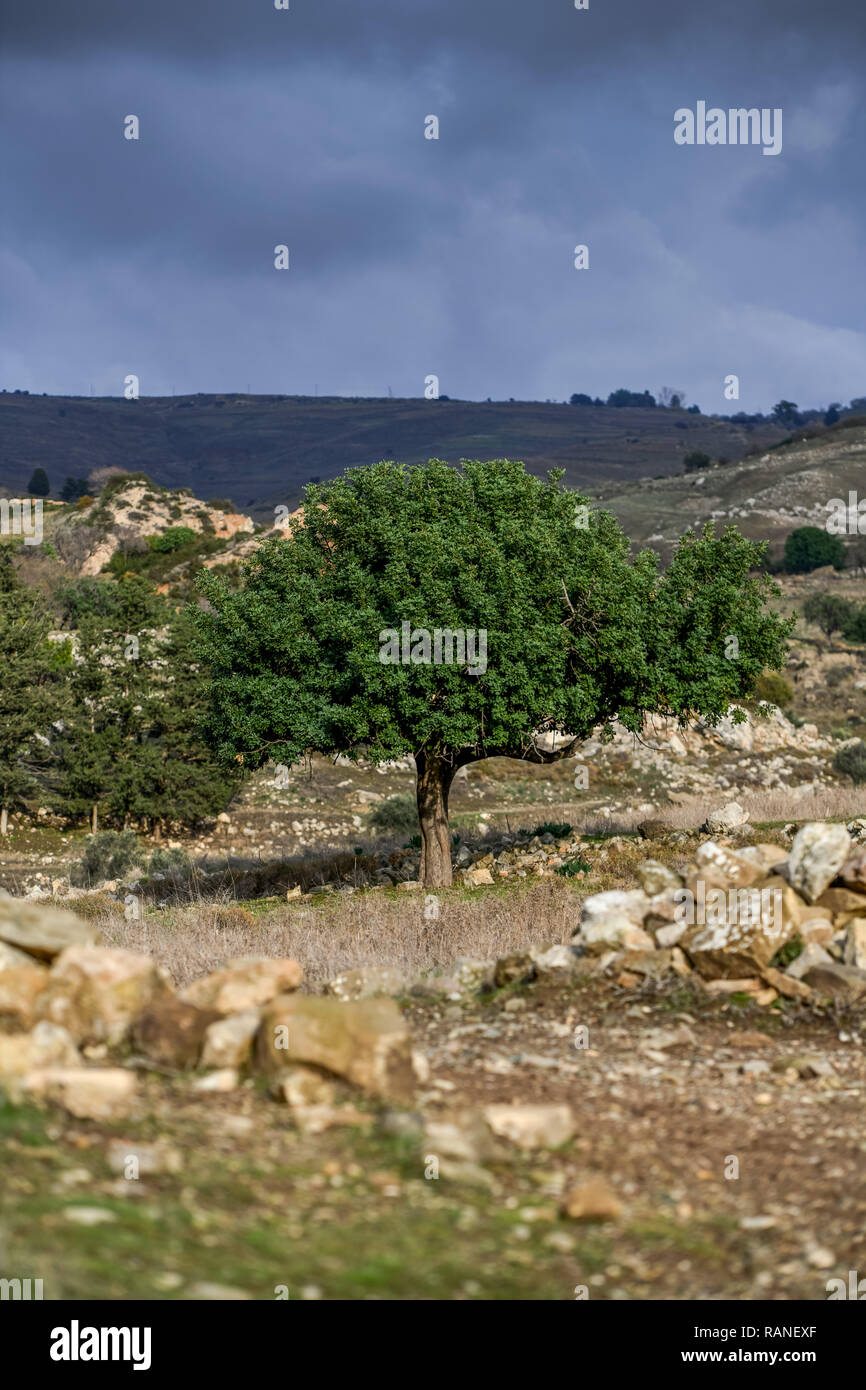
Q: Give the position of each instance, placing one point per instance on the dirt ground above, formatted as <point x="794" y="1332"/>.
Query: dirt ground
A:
<point x="731" y="1136"/>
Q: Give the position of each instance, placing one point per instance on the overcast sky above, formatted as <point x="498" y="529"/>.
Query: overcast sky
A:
<point x="410" y="256"/>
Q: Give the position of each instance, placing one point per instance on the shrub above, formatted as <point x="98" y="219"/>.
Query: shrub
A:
<point x="774" y="689"/>
<point x="109" y="854"/>
<point x="166" y="861"/>
<point x="39" y="485"/>
<point x="572" y="867"/>
<point x="558" y="829"/>
<point x="836" y="675"/>
<point x="809" y="548"/>
<point x="175" y="538"/>
<point x="398" y="814"/>
<point x="829" y="611"/>
<point x="855" y="628"/>
<point x="851" y="762"/>
<point x="696" y="460"/>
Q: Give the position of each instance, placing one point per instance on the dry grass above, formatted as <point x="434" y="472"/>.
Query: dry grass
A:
<point x="351" y="930"/>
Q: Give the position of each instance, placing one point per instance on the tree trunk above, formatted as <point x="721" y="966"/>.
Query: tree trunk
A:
<point x="435" y="775"/>
<point x="4" y="820"/>
<point x="157" y="831"/>
<point x="94" y="818"/>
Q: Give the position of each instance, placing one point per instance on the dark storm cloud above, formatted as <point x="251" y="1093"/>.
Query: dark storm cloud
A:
<point x="412" y="256"/>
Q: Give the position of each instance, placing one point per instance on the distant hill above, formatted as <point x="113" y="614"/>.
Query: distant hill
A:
<point x="766" y="496"/>
<point x="261" y="450"/>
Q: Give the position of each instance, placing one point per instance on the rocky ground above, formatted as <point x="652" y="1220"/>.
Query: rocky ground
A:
<point x="649" y="1108"/>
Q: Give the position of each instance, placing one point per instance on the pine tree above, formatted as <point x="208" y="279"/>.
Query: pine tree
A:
<point x="39" y="485"/>
<point x="31" y="693"/>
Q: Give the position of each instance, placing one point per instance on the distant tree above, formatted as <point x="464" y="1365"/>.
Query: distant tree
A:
<point x="579" y="398"/>
<point x="858" y="405"/>
<point x="830" y="612"/>
<point x="831" y="415"/>
<point x="622" y="397"/>
<point x="31" y="691"/>
<point x="855" y="626"/>
<point x="73" y="488"/>
<point x="850" y="761"/>
<point x="810" y="547"/>
<point x="173" y="538"/>
<point x="39" y="486"/>
<point x="693" y="409"/>
<point x="577" y="633"/>
<point x="696" y="460"/>
<point x="786" y="413"/>
<point x="671" y="399"/>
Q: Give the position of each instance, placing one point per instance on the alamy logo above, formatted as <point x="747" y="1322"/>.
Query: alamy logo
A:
<point x="77" y="1343"/>
<point x="846" y="519"/>
<point x="445" y="646"/>
<point x="715" y="907"/>
<point x="24" y="1289"/>
<point x="856" y="1288"/>
<point x="737" y="126"/>
<point x="22" y="518"/>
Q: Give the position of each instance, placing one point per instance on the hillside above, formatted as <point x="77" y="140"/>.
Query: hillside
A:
<point x="766" y="496"/>
<point x="261" y="450"/>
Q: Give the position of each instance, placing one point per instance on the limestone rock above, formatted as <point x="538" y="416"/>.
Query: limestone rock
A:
<point x="11" y="958"/>
<point x="740" y="935"/>
<point x="817" y="854"/>
<point x="531" y="1126"/>
<point x="366" y="1041"/>
<point x="171" y="1033"/>
<point x="854" y="949"/>
<point x="366" y="983"/>
<point x="96" y="992"/>
<point x="840" y="982"/>
<point x="229" y="1041"/>
<point x="46" y="1045"/>
<point x="656" y="878"/>
<point x="726" y="818"/>
<point x="514" y="968"/>
<point x="612" y="921"/>
<point x="245" y="983"/>
<point x="592" y="1201"/>
<point x="20" y="988"/>
<point x="42" y="931"/>
<point x="98" y="1093"/>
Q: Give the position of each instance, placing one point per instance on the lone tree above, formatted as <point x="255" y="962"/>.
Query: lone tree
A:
<point x="330" y="644"/>
<point x="39" y="486"/>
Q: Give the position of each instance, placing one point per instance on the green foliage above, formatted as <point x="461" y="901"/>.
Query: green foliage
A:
<point x="572" y="867"/>
<point x="695" y="461"/>
<point x="397" y="814"/>
<point x="172" y="539"/>
<point x="855" y="626"/>
<point x="831" y="612"/>
<point x="222" y="504"/>
<point x="110" y="854"/>
<point x="558" y="829"/>
<point x="39" y="486"/>
<point x="851" y="762"/>
<point x="130" y="601"/>
<point x="773" y="689"/>
<point x="168" y="861"/>
<point x="809" y="547"/>
<point x="624" y="397"/>
<point x="788" y="952"/>
<point x="72" y="489"/>
<point x="579" y="634"/>
<point x="31" y="690"/>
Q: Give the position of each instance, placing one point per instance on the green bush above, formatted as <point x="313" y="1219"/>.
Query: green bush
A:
<point x="175" y="538"/>
<point x="558" y="829"/>
<point x="810" y="548"/>
<point x="696" y="460"/>
<point x="110" y="854"/>
<point x="572" y="867"/>
<point x="398" y="814"/>
<point x="774" y="689"/>
<point x="851" y="761"/>
<point x="166" y="861"/>
<point x="831" y="612"/>
<point x="855" y="627"/>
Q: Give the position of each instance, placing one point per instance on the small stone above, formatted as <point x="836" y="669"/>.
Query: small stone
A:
<point x="224" y="1080"/>
<point x="592" y="1201"/>
<point x="818" y="853"/>
<point x="368" y="982"/>
<point x="97" y="1093"/>
<point x="244" y="983"/>
<point x="531" y="1126"/>
<point x="228" y="1042"/>
<point x="89" y="1216"/>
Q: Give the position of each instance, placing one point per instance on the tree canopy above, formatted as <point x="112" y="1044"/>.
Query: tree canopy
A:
<point x="578" y="633"/>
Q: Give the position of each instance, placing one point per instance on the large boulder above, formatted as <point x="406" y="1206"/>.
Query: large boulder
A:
<point x="46" y="1045"/>
<point x="244" y="983"/>
<point x="228" y="1042"/>
<point x="171" y="1033"/>
<point x="726" y="818"/>
<point x="742" y="930"/>
<point x="42" y="932"/>
<point x="97" y="992"/>
<point x="20" y="989"/>
<point x="612" y="921"/>
<point x="365" y="1040"/>
<point x="842" y="983"/>
<point x="818" y="853"/>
